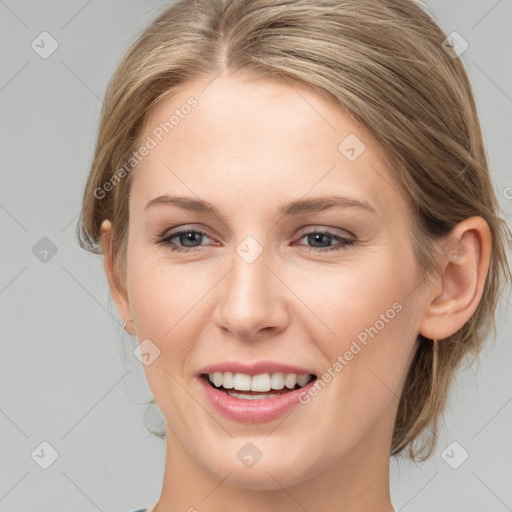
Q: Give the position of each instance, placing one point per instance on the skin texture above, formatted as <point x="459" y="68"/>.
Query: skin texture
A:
<point x="247" y="148"/>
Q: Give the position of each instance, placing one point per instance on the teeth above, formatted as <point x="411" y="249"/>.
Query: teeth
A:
<point x="302" y="380"/>
<point x="277" y="381"/>
<point x="217" y="378"/>
<point x="290" y="380"/>
<point x="242" y="382"/>
<point x="228" y="380"/>
<point x="262" y="382"/>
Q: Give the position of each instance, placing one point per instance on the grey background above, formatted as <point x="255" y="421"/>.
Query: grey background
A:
<point x="68" y="374"/>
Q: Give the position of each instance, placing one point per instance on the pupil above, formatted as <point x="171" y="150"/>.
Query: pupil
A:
<point x="189" y="236"/>
<point x="318" y="237"/>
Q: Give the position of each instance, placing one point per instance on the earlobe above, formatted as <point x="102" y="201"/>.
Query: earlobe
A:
<point x="117" y="291"/>
<point x="466" y="257"/>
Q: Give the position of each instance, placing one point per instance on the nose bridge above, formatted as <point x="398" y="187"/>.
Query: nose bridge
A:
<point x="250" y="273"/>
<point x="250" y="299"/>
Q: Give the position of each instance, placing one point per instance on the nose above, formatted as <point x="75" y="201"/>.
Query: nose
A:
<point x="252" y="299"/>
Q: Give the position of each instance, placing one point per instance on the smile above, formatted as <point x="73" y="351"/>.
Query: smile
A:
<point x="263" y="385"/>
<point x="254" y="398"/>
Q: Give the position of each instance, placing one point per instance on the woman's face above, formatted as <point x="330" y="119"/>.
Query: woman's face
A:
<point x="260" y="290"/>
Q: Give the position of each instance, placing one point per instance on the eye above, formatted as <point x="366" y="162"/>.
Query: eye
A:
<point x="325" y="236"/>
<point x="185" y="237"/>
<point x="189" y="240"/>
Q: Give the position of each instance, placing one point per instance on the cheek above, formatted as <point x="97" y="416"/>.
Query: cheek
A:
<point x="169" y="304"/>
<point x="367" y="362"/>
<point x="162" y="298"/>
<point x="162" y="293"/>
<point x="346" y="298"/>
<point x="372" y="318"/>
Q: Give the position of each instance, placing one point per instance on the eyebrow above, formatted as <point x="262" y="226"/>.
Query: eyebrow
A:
<point x="293" y="208"/>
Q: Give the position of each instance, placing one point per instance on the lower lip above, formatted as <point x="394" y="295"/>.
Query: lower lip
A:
<point x="252" y="411"/>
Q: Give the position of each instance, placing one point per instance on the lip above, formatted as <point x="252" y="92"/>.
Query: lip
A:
<point x="254" y="368"/>
<point x="252" y="411"/>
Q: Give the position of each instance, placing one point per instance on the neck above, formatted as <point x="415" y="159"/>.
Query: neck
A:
<point x="359" y="482"/>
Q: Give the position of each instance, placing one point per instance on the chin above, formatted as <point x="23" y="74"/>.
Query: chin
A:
<point x="266" y="474"/>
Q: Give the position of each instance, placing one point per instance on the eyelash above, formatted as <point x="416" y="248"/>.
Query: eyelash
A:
<point x="166" y="241"/>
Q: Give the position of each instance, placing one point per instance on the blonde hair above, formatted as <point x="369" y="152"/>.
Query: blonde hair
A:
<point x="384" y="63"/>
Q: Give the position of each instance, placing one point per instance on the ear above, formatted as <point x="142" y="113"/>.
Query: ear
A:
<point x="457" y="292"/>
<point x="117" y="290"/>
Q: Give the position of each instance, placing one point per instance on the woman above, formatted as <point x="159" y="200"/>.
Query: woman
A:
<point x="297" y="222"/>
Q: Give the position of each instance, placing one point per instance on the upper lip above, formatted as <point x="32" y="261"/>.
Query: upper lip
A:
<point x="255" y="368"/>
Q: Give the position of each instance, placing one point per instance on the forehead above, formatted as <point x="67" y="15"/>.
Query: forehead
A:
<point x="259" y="140"/>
